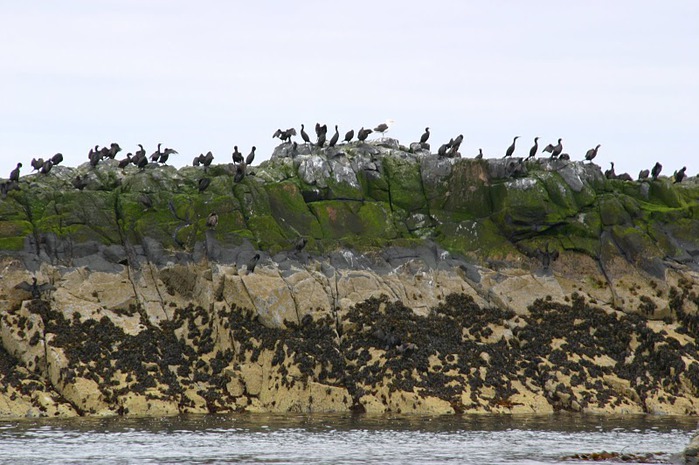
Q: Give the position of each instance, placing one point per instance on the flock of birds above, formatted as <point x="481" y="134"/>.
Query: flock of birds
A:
<point x="449" y="149"/>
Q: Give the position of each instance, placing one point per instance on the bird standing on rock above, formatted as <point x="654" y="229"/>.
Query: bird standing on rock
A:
<point x="556" y="150"/>
<point x="655" y="172"/>
<point x="425" y="136"/>
<point x="679" y="175"/>
<point x="334" y="138"/>
<point x="304" y="136"/>
<point x="251" y="156"/>
<point x="592" y="153"/>
<point x="14" y="174"/>
<point x="252" y="263"/>
<point x="480" y="154"/>
<point x="511" y="148"/>
<point x="384" y="127"/>
<point x="349" y="135"/>
<point x="237" y="156"/>
<point x="363" y="134"/>
<point x="535" y="147"/>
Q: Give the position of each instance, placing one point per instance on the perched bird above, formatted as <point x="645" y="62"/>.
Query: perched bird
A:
<point x="203" y="184"/>
<point x="142" y="162"/>
<point x="511" y="148"/>
<point x="384" y="127"/>
<point x="349" y="135"/>
<point x="141" y="152"/>
<point x="252" y="263"/>
<point x="304" y="136"/>
<point x="564" y="156"/>
<point x="456" y="143"/>
<point x="125" y="162"/>
<point x="237" y="156"/>
<point x="655" y="172"/>
<point x="592" y="153"/>
<point x="535" y="147"/>
<point x="239" y="172"/>
<point x="610" y="174"/>
<point x="480" y="154"/>
<point x="321" y="130"/>
<point x="56" y="159"/>
<point x="113" y="150"/>
<point x="425" y="136"/>
<point x="679" y="175"/>
<point x="155" y="156"/>
<point x="442" y="151"/>
<point x="14" y="174"/>
<point x="207" y="159"/>
<point x="197" y="160"/>
<point x="251" y="156"/>
<point x="300" y="244"/>
<point x="363" y="134"/>
<point x="34" y="288"/>
<point x="321" y="140"/>
<point x="212" y="220"/>
<point x="285" y="136"/>
<point x="166" y="153"/>
<point x="79" y="183"/>
<point x="37" y="164"/>
<point x="643" y="174"/>
<point x="334" y="138"/>
<point x="46" y="167"/>
<point x="556" y="150"/>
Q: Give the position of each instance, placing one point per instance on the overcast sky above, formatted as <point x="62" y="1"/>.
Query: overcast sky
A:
<point x="209" y="75"/>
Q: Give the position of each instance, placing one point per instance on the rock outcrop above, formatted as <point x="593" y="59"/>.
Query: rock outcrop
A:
<point x="426" y="285"/>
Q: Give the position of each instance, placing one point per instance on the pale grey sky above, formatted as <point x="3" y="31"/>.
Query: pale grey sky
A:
<point x="209" y="75"/>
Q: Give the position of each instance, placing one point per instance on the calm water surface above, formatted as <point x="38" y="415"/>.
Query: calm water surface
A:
<point x="338" y="439"/>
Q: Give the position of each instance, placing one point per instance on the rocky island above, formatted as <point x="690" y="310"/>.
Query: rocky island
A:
<point x="367" y="277"/>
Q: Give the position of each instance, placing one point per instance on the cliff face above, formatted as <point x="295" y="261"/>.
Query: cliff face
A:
<point x="427" y="285"/>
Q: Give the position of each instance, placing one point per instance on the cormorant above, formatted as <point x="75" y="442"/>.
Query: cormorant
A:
<point x="155" y="156"/>
<point x="253" y="263"/>
<point x="300" y="244"/>
<point x="442" y="151"/>
<point x="564" y="156"/>
<point x="592" y="153"/>
<point x="334" y="138"/>
<point x="203" y="184"/>
<point x="456" y="143"/>
<point x="79" y="183"/>
<point x="207" y="159"/>
<point x="480" y="154"/>
<point x="239" y="172"/>
<point x="655" y="172"/>
<point x="425" y="136"/>
<point x="197" y="160"/>
<point x="113" y="150"/>
<point x="37" y="164"/>
<point x="35" y="289"/>
<point x="251" y="156"/>
<point x="304" y="136"/>
<point x="321" y="130"/>
<point x="141" y="152"/>
<point x="643" y="174"/>
<point x="511" y="148"/>
<point x="556" y="150"/>
<point x="285" y="136"/>
<point x="56" y="159"/>
<point x="142" y="162"/>
<point x="679" y="175"/>
<point x="14" y="174"/>
<point x="237" y="156"/>
<point x="363" y="134"/>
<point x="46" y="167"/>
<point x="321" y="140"/>
<point x="125" y="162"/>
<point x="610" y="174"/>
<point x="349" y="135"/>
<point x="535" y="147"/>
<point x="166" y="153"/>
<point x="212" y="220"/>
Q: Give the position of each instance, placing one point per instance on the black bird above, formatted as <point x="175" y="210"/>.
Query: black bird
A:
<point x="556" y="150"/>
<point x="294" y="149"/>
<point x="155" y="156"/>
<point x="610" y="174"/>
<point x="125" y="162"/>
<point x="14" y="174"/>
<point x="253" y="263"/>
<point x="300" y="244"/>
<point x="363" y="134"/>
<point x="37" y="164"/>
<point x="480" y="154"/>
<point x="592" y="153"/>
<point x="197" y="160"/>
<point x="349" y="135"/>
<point x="321" y="130"/>
<point x="46" y="167"/>
<point x="321" y="140"/>
<point x="34" y="288"/>
<point x="166" y="154"/>
<point x="203" y="184"/>
<point x="442" y="151"/>
<point x="251" y="156"/>
<point x="113" y="150"/>
<point x="425" y="136"/>
<point x="334" y="138"/>
<point x="679" y="175"/>
<point x="456" y="143"/>
<point x="237" y="156"/>
<point x="655" y="172"/>
<point x="643" y="174"/>
<point x="56" y="159"/>
<point x="564" y="156"/>
<point x="511" y="148"/>
<point x="141" y="152"/>
<point x="212" y="220"/>
<point x="285" y="136"/>
<point x="535" y="147"/>
<point x="207" y="159"/>
<point x="304" y="136"/>
<point x="79" y="183"/>
<point x="239" y="172"/>
<point x="383" y="127"/>
<point x="142" y="162"/>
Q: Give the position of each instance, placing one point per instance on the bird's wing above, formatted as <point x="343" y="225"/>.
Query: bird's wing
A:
<point x="25" y="286"/>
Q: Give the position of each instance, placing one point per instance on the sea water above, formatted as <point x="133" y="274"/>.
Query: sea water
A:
<point x="341" y="439"/>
